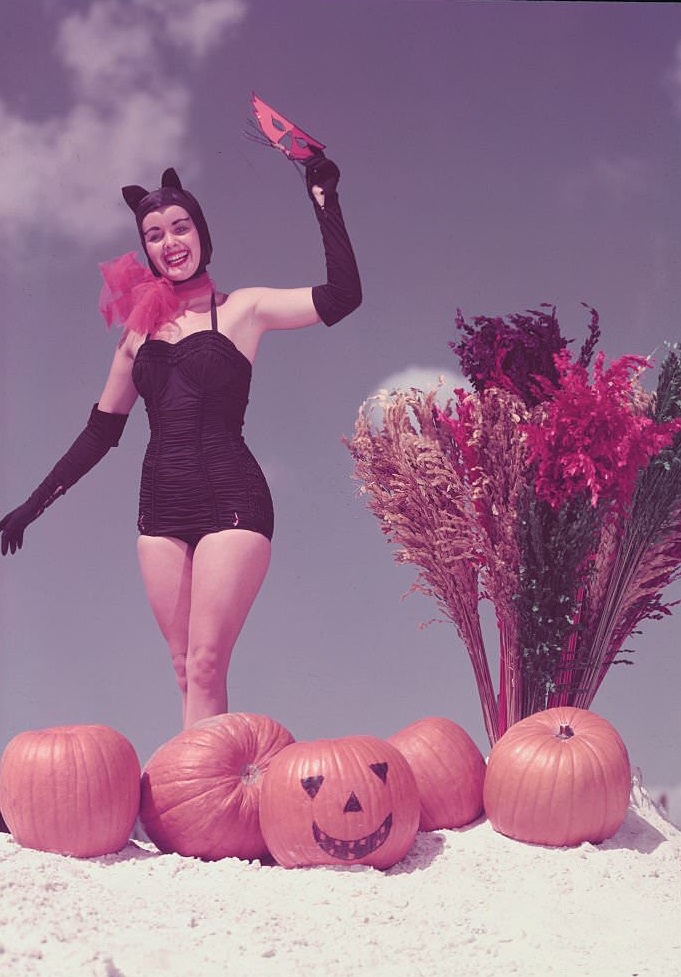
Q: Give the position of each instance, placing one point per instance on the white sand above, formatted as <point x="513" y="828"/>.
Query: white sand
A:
<point x="462" y="903"/>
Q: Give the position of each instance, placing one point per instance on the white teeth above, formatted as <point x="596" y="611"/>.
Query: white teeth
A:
<point x="176" y="259"/>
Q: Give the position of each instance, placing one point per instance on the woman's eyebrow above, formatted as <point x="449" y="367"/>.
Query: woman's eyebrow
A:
<point x="178" y="220"/>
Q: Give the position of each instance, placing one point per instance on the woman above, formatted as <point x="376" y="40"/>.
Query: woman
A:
<point x="205" y="517"/>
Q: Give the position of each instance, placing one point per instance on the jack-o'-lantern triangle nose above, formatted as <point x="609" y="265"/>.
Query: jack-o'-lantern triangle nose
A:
<point x="352" y="804"/>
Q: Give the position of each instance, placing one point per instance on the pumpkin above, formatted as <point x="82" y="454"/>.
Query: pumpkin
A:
<point x="339" y="802"/>
<point x="558" y="777"/>
<point x="201" y="789"/>
<point x="74" y="790"/>
<point x="449" y="770"/>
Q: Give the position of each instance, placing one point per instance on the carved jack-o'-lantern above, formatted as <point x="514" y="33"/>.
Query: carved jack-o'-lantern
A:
<point x="339" y="802"/>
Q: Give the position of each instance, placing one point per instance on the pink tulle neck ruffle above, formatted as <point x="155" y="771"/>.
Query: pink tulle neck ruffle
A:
<point x="138" y="300"/>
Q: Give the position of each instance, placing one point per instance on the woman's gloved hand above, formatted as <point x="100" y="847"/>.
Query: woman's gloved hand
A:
<point x="102" y="432"/>
<point x="321" y="176"/>
<point x="13" y="525"/>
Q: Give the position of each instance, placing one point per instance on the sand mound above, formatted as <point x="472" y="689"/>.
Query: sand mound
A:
<point x="467" y="902"/>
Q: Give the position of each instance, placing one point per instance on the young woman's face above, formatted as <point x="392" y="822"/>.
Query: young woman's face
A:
<point x="172" y="242"/>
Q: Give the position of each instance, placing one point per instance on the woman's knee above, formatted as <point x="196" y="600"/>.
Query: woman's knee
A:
<point x="206" y="666"/>
<point x="180" y="669"/>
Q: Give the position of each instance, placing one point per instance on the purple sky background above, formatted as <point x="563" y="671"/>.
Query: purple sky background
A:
<point x="494" y="156"/>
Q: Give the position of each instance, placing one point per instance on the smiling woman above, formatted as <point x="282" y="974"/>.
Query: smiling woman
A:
<point x="169" y="220"/>
<point x="172" y="242"/>
<point x="205" y="516"/>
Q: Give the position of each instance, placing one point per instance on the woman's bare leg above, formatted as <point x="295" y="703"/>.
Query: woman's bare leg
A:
<point x="228" y="569"/>
<point x="166" y="566"/>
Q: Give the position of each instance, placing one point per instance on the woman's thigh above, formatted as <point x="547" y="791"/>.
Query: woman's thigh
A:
<point x="228" y="569"/>
<point x="166" y="566"/>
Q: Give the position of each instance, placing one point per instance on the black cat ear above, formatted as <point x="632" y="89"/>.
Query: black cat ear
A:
<point x="171" y="179"/>
<point x="133" y="195"/>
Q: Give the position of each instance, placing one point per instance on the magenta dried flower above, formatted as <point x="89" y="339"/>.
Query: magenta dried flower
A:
<point x="594" y="439"/>
<point x="518" y="352"/>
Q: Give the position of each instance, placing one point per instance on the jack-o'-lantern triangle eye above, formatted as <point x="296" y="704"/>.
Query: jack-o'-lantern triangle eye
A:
<point x="311" y="785"/>
<point x="380" y="769"/>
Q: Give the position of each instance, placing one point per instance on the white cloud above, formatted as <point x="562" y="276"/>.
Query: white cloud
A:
<point x="620" y="176"/>
<point x="672" y="79"/>
<point x="107" y="50"/>
<point x="57" y="175"/>
<point x="423" y="378"/>
<point x="616" y="177"/>
<point x="115" y="45"/>
<point x="199" y="25"/>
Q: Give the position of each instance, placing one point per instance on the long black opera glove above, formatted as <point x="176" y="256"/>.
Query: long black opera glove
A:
<point x="103" y="431"/>
<point x="342" y="293"/>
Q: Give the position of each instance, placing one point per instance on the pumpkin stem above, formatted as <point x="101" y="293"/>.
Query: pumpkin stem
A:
<point x="565" y="732"/>
<point x="250" y="774"/>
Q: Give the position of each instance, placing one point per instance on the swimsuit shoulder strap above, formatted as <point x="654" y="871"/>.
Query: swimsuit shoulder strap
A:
<point x="213" y="313"/>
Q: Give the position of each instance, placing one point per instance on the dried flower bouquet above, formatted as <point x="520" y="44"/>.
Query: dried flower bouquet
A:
<point x="551" y="488"/>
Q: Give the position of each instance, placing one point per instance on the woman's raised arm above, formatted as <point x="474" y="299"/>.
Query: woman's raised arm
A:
<point x="341" y="294"/>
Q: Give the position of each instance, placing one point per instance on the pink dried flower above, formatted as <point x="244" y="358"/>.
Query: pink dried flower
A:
<point x="595" y="439"/>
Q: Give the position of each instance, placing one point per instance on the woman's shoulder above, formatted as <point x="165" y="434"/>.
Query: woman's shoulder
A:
<point x="129" y="343"/>
<point x="239" y="305"/>
<point x="241" y="297"/>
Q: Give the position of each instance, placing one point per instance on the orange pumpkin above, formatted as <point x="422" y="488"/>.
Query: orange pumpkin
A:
<point x="558" y="777"/>
<point x="339" y="802"/>
<point x="201" y="789"/>
<point x="70" y="789"/>
<point x="449" y="770"/>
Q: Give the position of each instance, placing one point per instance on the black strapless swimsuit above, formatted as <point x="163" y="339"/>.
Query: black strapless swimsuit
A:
<point x="198" y="475"/>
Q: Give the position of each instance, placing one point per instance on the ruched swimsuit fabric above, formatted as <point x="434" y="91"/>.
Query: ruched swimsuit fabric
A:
<point x="198" y="475"/>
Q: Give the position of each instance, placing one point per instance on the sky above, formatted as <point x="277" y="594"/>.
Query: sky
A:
<point x="493" y="156"/>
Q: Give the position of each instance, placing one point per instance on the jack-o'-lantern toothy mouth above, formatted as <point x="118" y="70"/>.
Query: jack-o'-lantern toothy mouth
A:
<point x="350" y="850"/>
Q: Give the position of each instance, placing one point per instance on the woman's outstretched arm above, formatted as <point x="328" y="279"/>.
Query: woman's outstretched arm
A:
<point x="102" y="432"/>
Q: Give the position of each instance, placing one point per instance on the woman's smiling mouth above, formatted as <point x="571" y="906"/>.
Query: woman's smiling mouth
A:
<point x="177" y="259"/>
